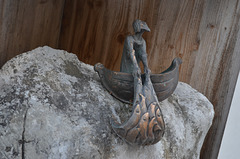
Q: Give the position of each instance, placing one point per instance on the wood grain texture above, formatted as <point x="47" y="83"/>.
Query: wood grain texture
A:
<point x="27" y="24"/>
<point x="204" y="33"/>
<point x="224" y="63"/>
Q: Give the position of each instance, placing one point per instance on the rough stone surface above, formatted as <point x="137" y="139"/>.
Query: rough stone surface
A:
<point x="54" y="106"/>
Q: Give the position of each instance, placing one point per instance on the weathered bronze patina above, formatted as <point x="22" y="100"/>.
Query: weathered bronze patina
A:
<point x="146" y="125"/>
<point x="121" y="85"/>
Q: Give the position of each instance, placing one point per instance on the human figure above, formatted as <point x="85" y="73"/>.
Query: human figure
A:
<point x="146" y="125"/>
<point x="134" y="50"/>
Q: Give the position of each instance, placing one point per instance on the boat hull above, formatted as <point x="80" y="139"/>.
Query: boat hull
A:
<point x="121" y="85"/>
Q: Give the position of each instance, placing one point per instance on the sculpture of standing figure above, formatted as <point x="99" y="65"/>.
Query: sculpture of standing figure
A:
<point x="134" y="50"/>
<point x="146" y="125"/>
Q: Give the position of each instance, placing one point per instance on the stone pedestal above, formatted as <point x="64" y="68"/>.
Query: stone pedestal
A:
<point x="54" y="106"/>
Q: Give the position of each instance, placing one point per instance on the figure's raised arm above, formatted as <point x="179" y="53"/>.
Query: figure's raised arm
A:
<point x="136" y="71"/>
<point x="144" y="58"/>
<point x="129" y="63"/>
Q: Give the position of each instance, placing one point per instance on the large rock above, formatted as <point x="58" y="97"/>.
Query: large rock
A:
<point x="54" y="106"/>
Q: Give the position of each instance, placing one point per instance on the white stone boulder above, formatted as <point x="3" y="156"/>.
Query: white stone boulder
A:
<point x="52" y="106"/>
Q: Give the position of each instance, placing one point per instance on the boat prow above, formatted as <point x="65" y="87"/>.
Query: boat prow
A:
<point x="121" y="85"/>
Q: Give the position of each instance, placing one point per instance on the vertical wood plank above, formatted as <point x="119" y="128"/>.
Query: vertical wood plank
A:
<point x="204" y="33"/>
<point x="27" y="24"/>
<point x="223" y="75"/>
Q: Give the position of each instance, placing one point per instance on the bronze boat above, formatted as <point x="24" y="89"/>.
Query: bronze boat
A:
<point x="120" y="84"/>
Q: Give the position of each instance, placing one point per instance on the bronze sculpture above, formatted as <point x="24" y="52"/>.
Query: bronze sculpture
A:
<point x="146" y="125"/>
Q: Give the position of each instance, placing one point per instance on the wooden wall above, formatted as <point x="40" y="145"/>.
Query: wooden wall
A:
<point x="204" y="33"/>
<point x="27" y="24"/>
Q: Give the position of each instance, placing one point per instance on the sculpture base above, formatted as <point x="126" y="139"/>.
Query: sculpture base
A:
<point x="54" y="106"/>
